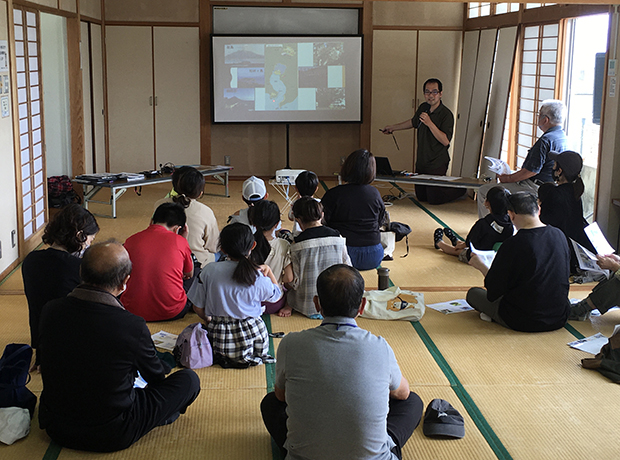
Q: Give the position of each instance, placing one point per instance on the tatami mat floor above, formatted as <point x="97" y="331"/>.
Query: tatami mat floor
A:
<point x="523" y="396"/>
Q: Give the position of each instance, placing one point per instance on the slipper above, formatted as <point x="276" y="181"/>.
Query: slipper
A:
<point x="437" y="237"/>
<point x="451" y="236"/>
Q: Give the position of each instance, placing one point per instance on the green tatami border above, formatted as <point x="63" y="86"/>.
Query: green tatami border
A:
<point x="472" y="409"/>
<point x="53" y="451"/>
<point x="423" y="208"/>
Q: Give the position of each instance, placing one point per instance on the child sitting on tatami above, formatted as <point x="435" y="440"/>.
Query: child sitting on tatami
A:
<point x="494" y="228"/>
<point x="253" y="191"/>
<point x="306" y="184"/>
<point x="231" y="292"/>
<point x="316" y="248"/>
<point x="270" y="250"/>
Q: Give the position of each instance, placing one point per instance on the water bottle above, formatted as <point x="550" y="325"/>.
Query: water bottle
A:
<point x="384" y="277"/>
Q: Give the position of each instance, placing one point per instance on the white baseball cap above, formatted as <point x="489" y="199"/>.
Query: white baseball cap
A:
<point x="254" y="189"/>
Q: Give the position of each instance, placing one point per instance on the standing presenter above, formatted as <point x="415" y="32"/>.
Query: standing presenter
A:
<point x="435" y="125"/>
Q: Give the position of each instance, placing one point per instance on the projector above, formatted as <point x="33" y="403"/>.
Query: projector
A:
<point x="287" y="176"/>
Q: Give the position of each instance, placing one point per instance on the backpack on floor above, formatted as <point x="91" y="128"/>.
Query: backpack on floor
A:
<point x="14" y="376"/>
<point x="60" y="192"/>
<point x="193" y="349"/>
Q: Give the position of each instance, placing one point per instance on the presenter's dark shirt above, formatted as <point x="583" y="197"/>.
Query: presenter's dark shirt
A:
<point x="531" y="271"/>
<point x="432" y="154"/>
<point x="356" y="211"/>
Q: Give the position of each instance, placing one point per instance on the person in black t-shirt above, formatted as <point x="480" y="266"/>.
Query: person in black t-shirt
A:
<point x="492" y="229"/>
<point x="527" y="283"/>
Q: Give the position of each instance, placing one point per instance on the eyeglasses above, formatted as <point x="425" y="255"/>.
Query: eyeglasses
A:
<point x="434" y="92"/>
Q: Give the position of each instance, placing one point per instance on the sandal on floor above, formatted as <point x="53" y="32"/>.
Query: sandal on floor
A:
<point x="451" y="236"/>
<point x="437" y="237"/>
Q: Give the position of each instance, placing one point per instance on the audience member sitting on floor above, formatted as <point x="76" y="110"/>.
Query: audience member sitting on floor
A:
<point x="494" y="228"/>
<point x="560" y="205"/>
<point x="176" y="175"/>
<point x="357" y="211"/>
<point x="339" y="392"/>
<point x="54" y="272"/>
<point x="306" y="184"/>
<point x="161" y="260"/>
<point x="201" y="222"/>
<point x="316" y="248"/>
<point x="527" y="284"/>
<point x="252" y="191"/>
<point x="605" y="294"/>
<point x="270" y="250"/>
<point x="230" y="292"/>
<point x="91" y="352"/>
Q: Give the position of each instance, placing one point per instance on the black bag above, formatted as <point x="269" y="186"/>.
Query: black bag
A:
<point x="60" y="192"/>
<point x="14" y="376"/>
<point x="402" y="231"/>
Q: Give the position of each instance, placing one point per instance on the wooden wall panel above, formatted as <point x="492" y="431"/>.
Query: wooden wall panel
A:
<point x="68" y="5"/>
<point x="130" y="98"/>
<point x="152" y="10"/>
<point x="418" y="14"/>
<point x="393" y="93"/>
<point x="90" y="8"/>
<point x="48" y="3"/>
<point x="177" y="84"/>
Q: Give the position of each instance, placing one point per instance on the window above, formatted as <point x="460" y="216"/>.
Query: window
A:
<point x="538" y="75"/>
<point x="29" y="97"/>
<point x="476" y="10"/>
<point x="502" y="8"/>
<point x="585" y="38"/>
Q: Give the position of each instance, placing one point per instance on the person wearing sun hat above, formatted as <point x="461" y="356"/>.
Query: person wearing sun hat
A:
<point x="560" y="202"/>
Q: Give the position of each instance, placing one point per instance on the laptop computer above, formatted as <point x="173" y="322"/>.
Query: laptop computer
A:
<point x="384" y="168"/>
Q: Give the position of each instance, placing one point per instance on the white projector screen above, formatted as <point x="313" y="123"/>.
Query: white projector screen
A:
<point x="286" y="79"/>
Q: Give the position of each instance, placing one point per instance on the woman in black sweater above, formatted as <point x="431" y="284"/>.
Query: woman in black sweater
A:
<point x="357" y="211"/>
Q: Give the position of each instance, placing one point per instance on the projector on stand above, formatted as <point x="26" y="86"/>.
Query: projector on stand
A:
<point x="287" y="176"/>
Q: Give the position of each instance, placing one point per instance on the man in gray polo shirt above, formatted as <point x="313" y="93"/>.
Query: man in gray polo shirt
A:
<point x="339" y="392"/>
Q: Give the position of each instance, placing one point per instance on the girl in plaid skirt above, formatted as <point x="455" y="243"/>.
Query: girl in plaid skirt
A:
<point x="230" y="292"/>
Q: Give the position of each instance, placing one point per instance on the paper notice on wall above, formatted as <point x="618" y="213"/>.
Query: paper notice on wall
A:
<point x="4" y="56"/>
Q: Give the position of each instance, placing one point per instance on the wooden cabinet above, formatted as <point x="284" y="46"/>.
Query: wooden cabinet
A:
<point x="153" y="96"/>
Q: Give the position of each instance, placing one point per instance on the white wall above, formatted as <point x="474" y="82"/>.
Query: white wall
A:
<point x="8" y="203"/>
<point x="55" y="76"/>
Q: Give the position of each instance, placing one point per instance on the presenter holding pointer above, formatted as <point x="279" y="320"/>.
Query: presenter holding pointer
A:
<point x="435" y="125"/>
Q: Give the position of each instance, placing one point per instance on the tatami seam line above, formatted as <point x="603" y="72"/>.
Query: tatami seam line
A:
<point x="423" y="208"/>
<point x="472" y="409"/>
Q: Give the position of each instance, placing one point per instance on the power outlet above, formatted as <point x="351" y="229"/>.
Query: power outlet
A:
<point x="226" y="160"/>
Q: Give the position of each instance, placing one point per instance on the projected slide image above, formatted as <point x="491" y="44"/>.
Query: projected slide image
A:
<point x="246" y="54"/>
<point x="281" y="69"/>
<point x="330" y="99"/>
<point x="239" y="98"/>
<point x="250" y="77"/>
<point x="312" y="77"/>
<point x="286" y="78"/>
<point x="330" y="53"/>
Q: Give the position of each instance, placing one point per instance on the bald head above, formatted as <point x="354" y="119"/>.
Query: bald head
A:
<point x="106" y="266"/>
<point x="340" y="289"/>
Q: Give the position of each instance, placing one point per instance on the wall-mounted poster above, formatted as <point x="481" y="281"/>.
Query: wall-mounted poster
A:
<point x="4" y="56"/>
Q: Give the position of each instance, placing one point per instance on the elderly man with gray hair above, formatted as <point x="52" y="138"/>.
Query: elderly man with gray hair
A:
<point x="537" y="168"/>
<point x="91" y="352"/>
